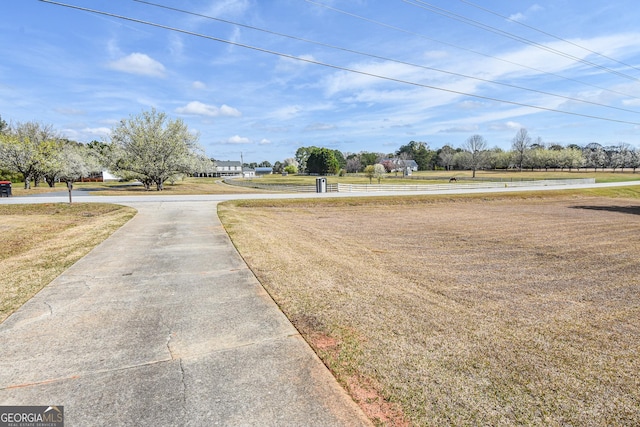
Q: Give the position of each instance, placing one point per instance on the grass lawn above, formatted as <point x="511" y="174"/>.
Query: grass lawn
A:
<point x="188" y="186"/>
<point x="41" y="241"/>
<point x="519" y="309"/>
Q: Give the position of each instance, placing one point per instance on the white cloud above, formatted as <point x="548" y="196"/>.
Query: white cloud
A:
<point x="86" y="134"/>
<point x="228" y="7"/>
<point x="264" y="141"/>
<point x="70" y="111"/>
<point x="460" y="129"/>
<point x="225" y="110"/>
<point x="103" y="131"/>
<point x="237" y="139"/>
<point x="384" y="96"/>
<point x="348" y="81"/>
<point x="200" y="109"/>
<point x="543" y="61"/>
<point x="375" y="91"/>
<point x="286" y="112"/>
<point x="288" y="69"/>
<point x="234" y="37"/>
<point x="198" y="85"/>
<point x="285" y="63"/>
<point x="471" y="105"/>
<point x="319" y="126"/>
<point x="138" y="63"/>
<point x="506" y="126"/>
<point x="176" y="46"/>
<point x="520" y="16"/>
<point x="112" y="48"/>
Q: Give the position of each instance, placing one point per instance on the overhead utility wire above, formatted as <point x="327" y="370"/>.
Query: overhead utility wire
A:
<point x="382" y="24"/>
<point x="515" y="21"/>
<point x="382" y="57"/>
<point x="469" y="21"/>
<point x="336" y="67"/>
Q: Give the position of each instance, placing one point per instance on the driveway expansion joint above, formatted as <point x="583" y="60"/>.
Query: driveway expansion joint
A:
<point x="84" y="375"/>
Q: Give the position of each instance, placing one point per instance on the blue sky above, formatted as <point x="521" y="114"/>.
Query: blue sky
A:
<point x="82" y="72"/>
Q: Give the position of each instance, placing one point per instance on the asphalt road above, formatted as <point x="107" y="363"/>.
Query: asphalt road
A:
<point x="83" y="196"/>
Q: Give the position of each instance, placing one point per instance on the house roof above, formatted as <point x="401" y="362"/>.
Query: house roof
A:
<point x="227" y="163"/>
<point x="408" y="162"/>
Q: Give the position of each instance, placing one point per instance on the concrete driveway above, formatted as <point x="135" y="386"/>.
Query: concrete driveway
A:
<point x="163" y="324"/>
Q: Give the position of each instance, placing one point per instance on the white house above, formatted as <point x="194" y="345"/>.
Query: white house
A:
<point x="226" y="168"/>
<point x="402" y="165"/>
<point x="102" y="176"/>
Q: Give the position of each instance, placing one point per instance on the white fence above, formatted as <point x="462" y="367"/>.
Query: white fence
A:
<point x="369" y="188"/>
<point x="289" y="188"/>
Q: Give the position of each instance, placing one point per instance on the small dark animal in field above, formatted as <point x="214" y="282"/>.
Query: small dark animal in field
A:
<point x="453" y="180"/>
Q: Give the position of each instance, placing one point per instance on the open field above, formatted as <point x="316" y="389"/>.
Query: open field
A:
<point x="521" y="309"/>
<point x="190" y="186"/>
<point x="427" y="177"/>
<point x="41" y="241"/>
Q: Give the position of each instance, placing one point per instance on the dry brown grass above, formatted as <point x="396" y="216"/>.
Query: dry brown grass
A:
<point x="41" y="241"/>
<point x="510" y="310"/>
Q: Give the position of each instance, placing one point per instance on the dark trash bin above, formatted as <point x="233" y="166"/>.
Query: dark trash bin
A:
<point x="5" y="188"/>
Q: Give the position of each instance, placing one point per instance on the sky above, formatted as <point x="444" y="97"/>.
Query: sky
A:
<point x="260" y="78"/>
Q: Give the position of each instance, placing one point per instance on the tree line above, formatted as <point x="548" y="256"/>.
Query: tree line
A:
<point x="149" y="147"/>
<point x="153" y="148"/>
<point x="326" y="161"/>
<point x="473" y="154"/>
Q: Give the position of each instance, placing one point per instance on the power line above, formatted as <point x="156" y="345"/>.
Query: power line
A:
<point x="515" y="21"/>
<point x="336" y="67"/>
<point x="472" y="22"/>
<point x="385" y="58"/>
<point x="382" y="24"/>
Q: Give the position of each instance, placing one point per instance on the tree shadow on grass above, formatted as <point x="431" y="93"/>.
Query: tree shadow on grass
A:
<point x="633" y="210"/>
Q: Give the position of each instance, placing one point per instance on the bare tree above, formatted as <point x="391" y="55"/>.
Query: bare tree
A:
<point x="446" y="157"/>
<point x="354" y="164"/>
<point x="476" y="146"/>
<point x="520" y="144"/>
